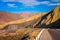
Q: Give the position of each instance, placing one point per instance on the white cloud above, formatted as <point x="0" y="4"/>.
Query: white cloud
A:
<point x="52" y="4"/>
<point x="9" y="0"/>
<point x="31" y="3"/>
<point x="28" y="2"/>
<point x="45" y="2"/>
<point x="11" y="5"/>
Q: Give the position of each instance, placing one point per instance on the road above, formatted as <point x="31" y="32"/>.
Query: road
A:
<point x="49" y="34"/>
<point x="55" y="34"/>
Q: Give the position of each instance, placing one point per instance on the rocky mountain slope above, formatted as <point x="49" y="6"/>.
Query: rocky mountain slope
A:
<point x="7" y="17"/>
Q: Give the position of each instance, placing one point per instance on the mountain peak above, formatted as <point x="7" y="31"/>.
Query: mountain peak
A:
<point x="57" y="9"/>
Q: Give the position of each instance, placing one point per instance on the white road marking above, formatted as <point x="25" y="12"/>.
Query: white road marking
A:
<point x="39" y="35"/>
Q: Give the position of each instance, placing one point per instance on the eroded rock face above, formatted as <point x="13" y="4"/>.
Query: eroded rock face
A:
<point x="55" y="22"/>
<point x="49" y="17"/>
<point x="55" y="15"/>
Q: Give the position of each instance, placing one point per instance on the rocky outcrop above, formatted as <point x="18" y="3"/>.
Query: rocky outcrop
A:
<point x="49" y="18"/>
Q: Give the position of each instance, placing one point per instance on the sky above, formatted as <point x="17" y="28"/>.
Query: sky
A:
<point x="28" y="5"/>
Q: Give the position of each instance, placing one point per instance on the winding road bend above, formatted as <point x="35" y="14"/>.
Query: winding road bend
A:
<point x="48" y="34"/>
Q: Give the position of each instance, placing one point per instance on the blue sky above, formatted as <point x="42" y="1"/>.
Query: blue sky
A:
<point x="28" y="5"/>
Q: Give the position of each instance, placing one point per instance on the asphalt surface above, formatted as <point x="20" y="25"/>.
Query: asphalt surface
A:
<point x="55" y="34"/>
<point x="50" y="34"/>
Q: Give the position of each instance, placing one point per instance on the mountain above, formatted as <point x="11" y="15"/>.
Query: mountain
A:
<point x="44" y="18"/>
<point x="26" y="14"/>
<point x="50" y="17"/>
<point x="25" y="22"/>
<point x="56" y="13"/>
<point x="7" y="17"/>
<point x="56" y="18"/>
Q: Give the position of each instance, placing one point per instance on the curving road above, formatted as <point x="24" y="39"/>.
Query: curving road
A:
<point x="49" y="34"/>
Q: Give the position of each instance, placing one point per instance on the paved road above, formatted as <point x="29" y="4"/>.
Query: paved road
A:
<point x="49" y="34"/>
<point x="55" y="34"/>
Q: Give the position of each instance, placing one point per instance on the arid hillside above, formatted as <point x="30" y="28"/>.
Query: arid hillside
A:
<point x="46" y="18"/>
<point x="25" y="21"/>
<point x="55" y="15"/>
<point x="7" y="17"/>
<point x="50" y="18"/>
